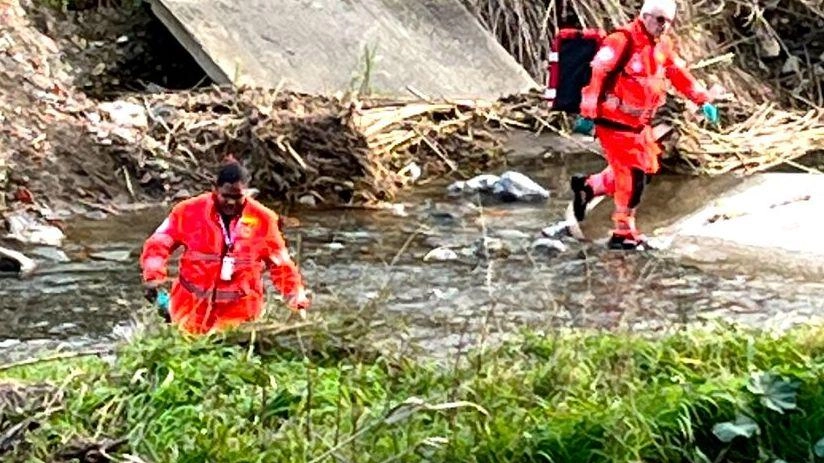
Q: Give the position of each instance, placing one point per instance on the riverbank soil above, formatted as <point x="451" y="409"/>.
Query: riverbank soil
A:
<point x="93" y="118"/>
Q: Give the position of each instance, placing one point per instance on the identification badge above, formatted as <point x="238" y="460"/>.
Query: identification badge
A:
<point x="227" y="267"/>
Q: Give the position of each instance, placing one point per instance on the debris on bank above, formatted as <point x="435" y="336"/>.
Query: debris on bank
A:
<point x="27" y="228"/>
<point x="769" y="56"/>
<point x="68" y="147"/>
<point x="76" y="152"/>
<point x="335" y="149"/>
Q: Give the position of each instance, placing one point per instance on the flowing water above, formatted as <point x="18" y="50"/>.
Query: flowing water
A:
<point x="80" y="294"/>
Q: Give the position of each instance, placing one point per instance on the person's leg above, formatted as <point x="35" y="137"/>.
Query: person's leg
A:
<point x="602" y="183"/>
<point x="585" y="187"/>
<point x="629" y="188"/>
<point x="234" y="313"/>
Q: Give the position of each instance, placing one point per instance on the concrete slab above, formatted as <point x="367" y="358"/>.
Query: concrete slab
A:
<point x="774" y="210"/>
<point x="319" y="46"/>
<point x="773" y="221"/>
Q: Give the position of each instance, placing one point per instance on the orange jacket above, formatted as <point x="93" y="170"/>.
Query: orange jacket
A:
<point x="199" y="299"/>
<point x="639" y="89"/>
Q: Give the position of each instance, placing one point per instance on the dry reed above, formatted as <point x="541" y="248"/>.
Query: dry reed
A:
<point x="769" y="57"/>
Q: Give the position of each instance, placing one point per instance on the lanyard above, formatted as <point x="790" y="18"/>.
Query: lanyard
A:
<point x="228" y="238"/>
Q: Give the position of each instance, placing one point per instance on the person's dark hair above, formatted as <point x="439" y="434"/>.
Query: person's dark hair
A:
<point x="231" y="171"/>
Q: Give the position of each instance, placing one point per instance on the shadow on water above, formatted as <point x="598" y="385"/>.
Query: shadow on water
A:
<point x="350" y="257"/>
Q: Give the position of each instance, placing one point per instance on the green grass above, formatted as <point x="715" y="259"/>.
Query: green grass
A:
<point x="569" y="397"/>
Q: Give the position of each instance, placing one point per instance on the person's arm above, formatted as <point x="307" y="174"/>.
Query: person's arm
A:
<point x="604" y="63"/>
<point x="156" y="251"/>
<point x="283" y="272"/>
<point x="683" y="80"/>
<point x="687" y="85"/>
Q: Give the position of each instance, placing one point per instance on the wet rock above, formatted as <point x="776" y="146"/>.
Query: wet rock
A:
<point x="112" y="255"/>
<point x="515" y="186"/>
<point x="512" y="235"/>
<point x="307" y="200"/>
<point x="12" y="261"/>
<point x="51" y="254"/>
<point x="492" y="247"/>
<point x="447" y="213"/>
<point x="446" y="241"/>
<point x="557" y="230"/>
<point x="549" y="245"/>
<point x="445" y="216"/>
<point x="509" y="187"/>
<point x="27" y="229"/>
<point x="96" y="215"/>
<point x="334" y="246"/>
<point x="478" y="184"/>
<point x="440" y="255"/>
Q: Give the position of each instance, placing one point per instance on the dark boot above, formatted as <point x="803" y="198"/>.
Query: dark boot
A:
<point x="582" y="195"/>
<point x="627" y="242"/>
<point x="625" y="236"/>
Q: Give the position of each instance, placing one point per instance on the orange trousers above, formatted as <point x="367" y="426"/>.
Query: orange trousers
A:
<point x="632" y="158"/>
<point x="199" y="315"/>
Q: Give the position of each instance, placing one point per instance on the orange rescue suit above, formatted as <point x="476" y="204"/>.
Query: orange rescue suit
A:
<point x="200" y="300"/>
<point x="624" y="109"/>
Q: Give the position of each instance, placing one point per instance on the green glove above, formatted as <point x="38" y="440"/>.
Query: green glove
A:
<point x="710" y="112"/>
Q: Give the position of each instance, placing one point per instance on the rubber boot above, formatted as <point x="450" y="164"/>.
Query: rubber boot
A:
<point x="582" y="195"/>
<point x="625" y="236"/>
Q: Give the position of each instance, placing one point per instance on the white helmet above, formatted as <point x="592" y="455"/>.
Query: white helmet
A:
<point x="667" y="7"/>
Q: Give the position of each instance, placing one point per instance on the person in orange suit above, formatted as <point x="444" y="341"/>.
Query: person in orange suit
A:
<point x="228" y="239"/>
<point x="622" y="103"/>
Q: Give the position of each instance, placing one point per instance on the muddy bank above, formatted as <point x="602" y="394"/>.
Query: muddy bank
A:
<point x="82" y="138"/>
<point x="57" y="68"/>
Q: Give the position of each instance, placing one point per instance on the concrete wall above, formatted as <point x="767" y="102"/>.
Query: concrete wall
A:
<point x="318" y="46"/>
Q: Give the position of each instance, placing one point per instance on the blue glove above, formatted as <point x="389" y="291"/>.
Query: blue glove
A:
<point x="162" y="302"/>
<point x="583" y="125"/>
<point x="710" y="112"/>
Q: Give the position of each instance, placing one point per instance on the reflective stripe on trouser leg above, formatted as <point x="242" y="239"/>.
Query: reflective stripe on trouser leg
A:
<point x="624" y="220"/>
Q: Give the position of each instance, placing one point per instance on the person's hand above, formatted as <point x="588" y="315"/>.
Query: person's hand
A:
<point x="162" y="300"/>
<point x="150" y="289"/>
<point x="589" y="107"/>
<point x="710" y="112"/>
<point x="298" y="301"/>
